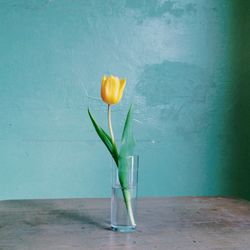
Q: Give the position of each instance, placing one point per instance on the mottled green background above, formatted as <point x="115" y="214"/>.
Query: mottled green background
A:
<point x="187" y="69"/>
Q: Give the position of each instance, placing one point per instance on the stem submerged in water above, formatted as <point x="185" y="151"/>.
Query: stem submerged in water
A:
<point x="127" y="199"/>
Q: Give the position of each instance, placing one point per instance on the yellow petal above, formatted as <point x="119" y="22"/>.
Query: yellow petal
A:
<point x="103" y="89"/>
<point x="104" y="78"/>
<point x="121" y="89"/>
<point x="116" y="89"/>
<point x="122" y="83"/>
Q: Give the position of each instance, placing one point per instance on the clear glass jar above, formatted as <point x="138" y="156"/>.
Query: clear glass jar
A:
<point x="124" y="194"/>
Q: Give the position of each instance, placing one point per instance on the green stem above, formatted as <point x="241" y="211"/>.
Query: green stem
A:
<point x="110" y="124"/>
<point x="125" y="191"/>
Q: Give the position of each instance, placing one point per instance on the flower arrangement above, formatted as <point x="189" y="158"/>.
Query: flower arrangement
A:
<point x="112" y="89"/>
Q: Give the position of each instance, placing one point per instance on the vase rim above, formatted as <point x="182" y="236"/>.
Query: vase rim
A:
<point x="131" y="156"/>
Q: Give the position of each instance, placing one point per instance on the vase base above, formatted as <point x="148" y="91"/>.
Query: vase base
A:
<point x="123" y="229"/>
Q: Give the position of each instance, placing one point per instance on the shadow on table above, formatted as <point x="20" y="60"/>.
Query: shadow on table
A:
<point x="79" y="216"/>
<point x="59" y="212"/>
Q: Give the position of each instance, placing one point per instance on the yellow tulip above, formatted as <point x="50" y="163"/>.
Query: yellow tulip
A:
<point x="112" y="89"/>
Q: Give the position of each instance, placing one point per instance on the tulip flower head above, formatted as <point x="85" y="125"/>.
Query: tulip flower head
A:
<point x="112" y="89"/>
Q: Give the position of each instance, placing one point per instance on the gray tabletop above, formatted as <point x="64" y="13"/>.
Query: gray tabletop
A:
<point x="163" y="223"/>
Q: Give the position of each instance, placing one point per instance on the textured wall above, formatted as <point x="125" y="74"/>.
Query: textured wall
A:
<point x="177" y="58"/>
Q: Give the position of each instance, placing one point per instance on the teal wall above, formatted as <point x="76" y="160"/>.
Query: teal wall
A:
<point x="181" y="60"/>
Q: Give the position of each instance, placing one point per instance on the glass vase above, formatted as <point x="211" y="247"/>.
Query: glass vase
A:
<point x="124" y="194"/>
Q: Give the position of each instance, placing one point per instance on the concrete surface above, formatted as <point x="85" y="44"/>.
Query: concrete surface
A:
<point x="163" y="223"/>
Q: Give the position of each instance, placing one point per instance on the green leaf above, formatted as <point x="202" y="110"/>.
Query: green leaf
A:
<point x="127" y="148"/>
<point x="105" y="138"/>
<point x="128" y="140"/>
